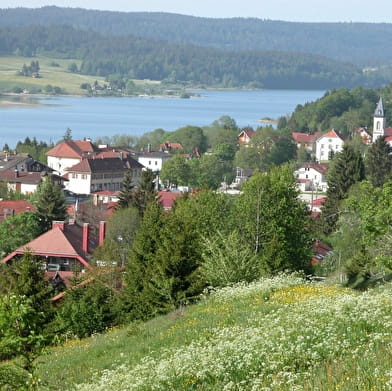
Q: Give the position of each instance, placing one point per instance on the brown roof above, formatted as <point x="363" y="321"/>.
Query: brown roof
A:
<point x="72" y="149"/>
<point x="102" y="164"/>
<point x="167" y="198"/>
<point x="303" y="138"/>
<point x="33" y="178"/>
<point x="10" y="208"/>
<point x="322" y="168"/>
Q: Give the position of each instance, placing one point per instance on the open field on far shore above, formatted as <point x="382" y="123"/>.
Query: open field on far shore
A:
<point x="53" y="71"/>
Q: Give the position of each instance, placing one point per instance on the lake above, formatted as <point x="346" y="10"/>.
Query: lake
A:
<point x="107" y="116"/>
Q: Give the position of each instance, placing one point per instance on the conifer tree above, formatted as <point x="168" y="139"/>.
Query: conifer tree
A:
<point x="50" y="203"/>
<point x="125" y="196"/>
<point x="145" y="193"/>
<point x="346" y="169"/>
<point x="379" y="162"/>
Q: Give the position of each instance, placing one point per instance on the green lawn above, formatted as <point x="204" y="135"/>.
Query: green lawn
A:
<point x="54" y="75"/>
<point x="281" y="334"/>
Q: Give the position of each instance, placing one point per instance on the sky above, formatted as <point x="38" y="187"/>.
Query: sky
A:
<point x="374" y="11"/>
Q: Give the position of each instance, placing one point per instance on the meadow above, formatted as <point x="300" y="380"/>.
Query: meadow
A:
<point x="276" y="334"/>
<point x="53" y="71"/>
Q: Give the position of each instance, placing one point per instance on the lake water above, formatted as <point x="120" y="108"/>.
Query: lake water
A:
<point x="97" y="117"/>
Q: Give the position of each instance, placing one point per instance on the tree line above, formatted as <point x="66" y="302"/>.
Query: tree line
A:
<point x="134" y="57"/>
<point x="367" y="44"/>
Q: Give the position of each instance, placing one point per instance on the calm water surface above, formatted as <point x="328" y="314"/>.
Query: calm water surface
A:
<point x="97" y="117"/>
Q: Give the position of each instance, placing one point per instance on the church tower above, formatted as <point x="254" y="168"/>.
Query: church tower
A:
<point x="379" y="121"/>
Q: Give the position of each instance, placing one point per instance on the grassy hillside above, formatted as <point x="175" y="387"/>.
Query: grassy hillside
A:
<point x="279" y="334"/>
<point x="55" y="75"/>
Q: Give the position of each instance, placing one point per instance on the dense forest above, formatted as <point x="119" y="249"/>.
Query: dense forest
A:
<point x="146" y="52"/>
<point x="352" y="42"/>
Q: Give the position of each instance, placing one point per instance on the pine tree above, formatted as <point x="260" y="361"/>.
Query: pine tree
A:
<point x="346" y="169"/>
<point x="379" y="162"/>
<point x="125" y="196"/>
<point x="50" y="203"/>
<point x="145" y="193"/>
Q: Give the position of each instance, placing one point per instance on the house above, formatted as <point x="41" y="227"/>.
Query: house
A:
<point x="328" y="144"/>
<point x="305" y="140"/>
<point x="243" y="139"/>
<point x="168" y="146"/>
<point x="362" y="132"/>
<point x="67" y="247"/>
<point x="69" y="153"/>
<point x="320" y="251"/>
<point x="96" y="174"/>
<point x="312" y="177"/>
<point x="241" y="176"/>
<point x="317" y="204"/>
<point x="27" y="182"/>
<point x="167" y="198"/>
<point x="10" y="208"/>
<point x="153" y="160"/>
<point x="21" y="162"/>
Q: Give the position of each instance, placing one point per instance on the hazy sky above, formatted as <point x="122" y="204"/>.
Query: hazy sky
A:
<point x="293" y="10"/>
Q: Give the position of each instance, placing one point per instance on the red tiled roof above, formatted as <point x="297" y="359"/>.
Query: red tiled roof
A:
<point x="319" y="201"/>
<point x="9" y="207"/>
<point x="169" y="145"/>
<point x="333" y="133"/>
<point x="303" y="137"/>
<point x="167" y="198"/>
<point x="72" y="149"/>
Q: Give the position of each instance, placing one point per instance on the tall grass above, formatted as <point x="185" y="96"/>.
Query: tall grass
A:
<point x="277" y="334"/>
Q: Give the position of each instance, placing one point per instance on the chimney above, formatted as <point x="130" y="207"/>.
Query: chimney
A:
<point x="58" y="224"/>
<point x="149" y="147"/>
<point x="16" y="173"/>
<point x="102" y="228"/>
<point x="85" y="237"/>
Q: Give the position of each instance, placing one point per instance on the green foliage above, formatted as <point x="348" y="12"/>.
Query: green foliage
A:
<point x="175" y="171"/>
<point x="346" y="169"/>
<point x="145" y="193"/>
<point x="18" y="230"/>
<point x="228" y="260"/>
<point x="50" y="203"/>
<point x="247" y="158"/>
<point x="341" y="109"/>
<point x="90" y="308"/>
<point x="274" y="222"/>
<point x="190" y="137"/>
<point x="379" y="162"/>
<point x="125" y="195"/>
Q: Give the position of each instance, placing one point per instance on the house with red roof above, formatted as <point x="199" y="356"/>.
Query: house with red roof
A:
<point x="68" y="153"/>
<point x="96" y="174"/>
<point x="168" y="146"/>
<point x="167" y="198"/>
<point x="10" y="208"/>
<point x="243" y="139"/>
<point x="27" y="182"/>
<point x="67" y="247"/>
<point x="305" y="140"/>
<point x="312" y="177"/>
<point x="328" y="144"/>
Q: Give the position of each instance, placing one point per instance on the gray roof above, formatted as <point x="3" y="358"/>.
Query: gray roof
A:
<point x="380" y="112"/>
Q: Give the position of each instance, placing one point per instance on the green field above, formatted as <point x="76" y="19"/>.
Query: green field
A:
<point x="54" y="75"/>
<point x="280" y="334"/>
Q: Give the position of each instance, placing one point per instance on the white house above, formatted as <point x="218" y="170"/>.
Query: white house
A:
<point x="100" y="173"/>
<point x="312" y="177"/>
<point x="68" y="153"/>
<point x="153" y="160"/>
<point x="328" y="144"/>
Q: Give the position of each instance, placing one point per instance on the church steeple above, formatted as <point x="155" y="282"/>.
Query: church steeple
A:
<point x="379" y="121"/>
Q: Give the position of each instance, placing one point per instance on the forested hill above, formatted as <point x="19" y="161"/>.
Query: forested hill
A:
<point x="365" y="44"/>
<point x="142" y="58"/>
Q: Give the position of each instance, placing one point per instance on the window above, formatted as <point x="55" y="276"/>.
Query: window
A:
<point x="84" y="176"/>
<point x="156" y="162"/>
<point x="322" y="146"/>
<point x="378" y="125"/>
<point x="149" y="162"/>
